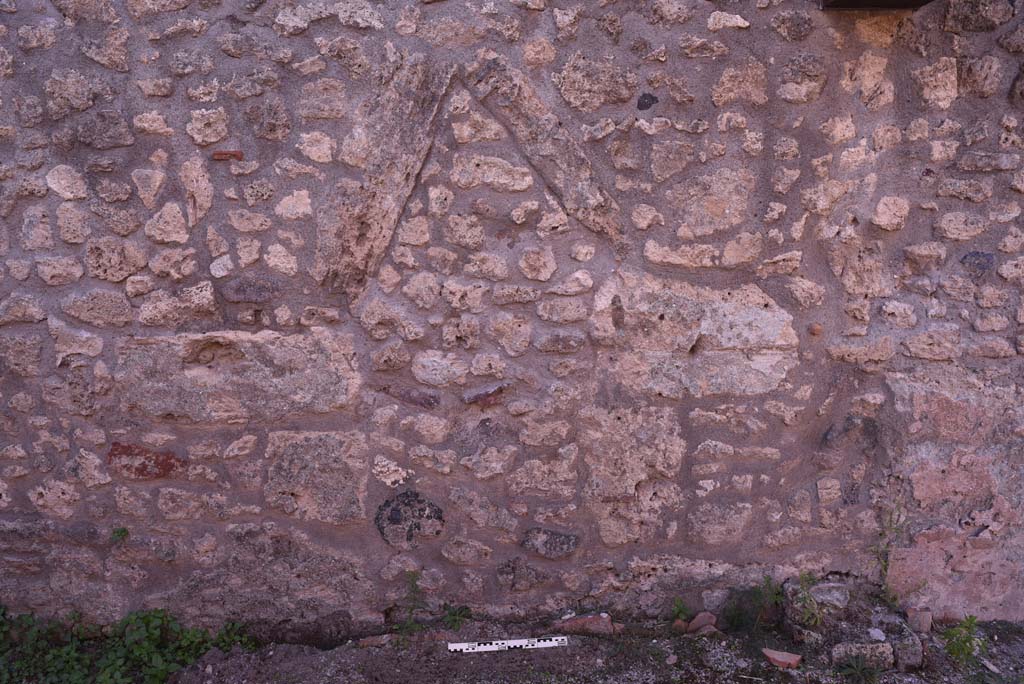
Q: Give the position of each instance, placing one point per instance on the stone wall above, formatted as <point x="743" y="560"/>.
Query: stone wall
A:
<point x="560" y="305"/>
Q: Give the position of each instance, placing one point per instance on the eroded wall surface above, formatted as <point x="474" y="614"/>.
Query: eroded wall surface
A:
<point x="559" y="305"/>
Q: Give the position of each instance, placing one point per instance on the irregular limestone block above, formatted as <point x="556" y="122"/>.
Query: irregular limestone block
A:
<point x="673" y="339"/>
<point x="633" y="457"/>
<point x="318" y="475"/>
<point x="234" y="376"/>
<point x="333" y="587"/>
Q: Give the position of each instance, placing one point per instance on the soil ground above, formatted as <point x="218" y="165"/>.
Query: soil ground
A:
<point x="641" y="654"/>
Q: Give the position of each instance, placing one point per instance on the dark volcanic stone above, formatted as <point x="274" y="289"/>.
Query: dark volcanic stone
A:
<point x="407" y="518"/>
<point x="485" y="392"/>
<point x="561" y="342"/>
<point x="646" y="101"/>
<point x="269" y="119"/>
<point x="412" y="395"/>
<point x="793" y="25"/>
<point x="1017" y="90"/>
<point x="518" y="575"/>
<point x="977" y="15"/>
<point x="977" y="264"/>
<point x="1013" y="41"/>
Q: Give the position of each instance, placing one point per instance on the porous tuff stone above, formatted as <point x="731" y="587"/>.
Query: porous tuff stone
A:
<point x="234" y="376"/>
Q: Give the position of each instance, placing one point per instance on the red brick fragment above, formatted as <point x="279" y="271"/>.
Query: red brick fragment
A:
<point x="137" y="462"/>
<point x="701" y="619"/>
<point x="588" y="624"/>
<point x="782" y="659"/>
<point x="224" y="155"/>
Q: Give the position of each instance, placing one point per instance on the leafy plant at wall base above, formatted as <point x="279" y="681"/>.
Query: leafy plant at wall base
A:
<point x="889" y="597"/>
<point x="680" y="611"/>
<point x="963" y="644"/>
<point x="810" y="612"/>
<point x="413" y="602"/>
<point x="857" y="670"/>
<point x="233" y="634"/>
<point x="750" y="609"/>
<point x="118" y="535"/>
<point x="145" y="647"/>
<point x="771" y="593"/>
<point x="892" y="526"/>
<point x="455" y="616"/>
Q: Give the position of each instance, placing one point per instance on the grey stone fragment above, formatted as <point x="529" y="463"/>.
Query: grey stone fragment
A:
<point x="105" y="130"/>
<point x="549" y="543"/>
<point x="879" y="656"/>
<point x="909" y="652"/>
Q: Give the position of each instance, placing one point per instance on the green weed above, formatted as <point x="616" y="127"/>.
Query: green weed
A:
<point x="413" y="601"/>
<point x="963" y="644"/>
<point x="857" y="670"/>
<point x="751" y="609"/>
<point x="680" y="611"/>
<point x="455" y="616"/>
<point x="811" y="613"/>
<point x="145" y="647"/>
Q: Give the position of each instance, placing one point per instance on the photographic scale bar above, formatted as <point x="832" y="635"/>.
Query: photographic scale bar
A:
<point x="507" y="644"/>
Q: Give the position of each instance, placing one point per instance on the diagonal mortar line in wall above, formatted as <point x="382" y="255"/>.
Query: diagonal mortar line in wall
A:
<point x="548" y="185"/>
<point x="355" y="233"/>
<point x="599" y="216"/>
<point x="441" y="102"/>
